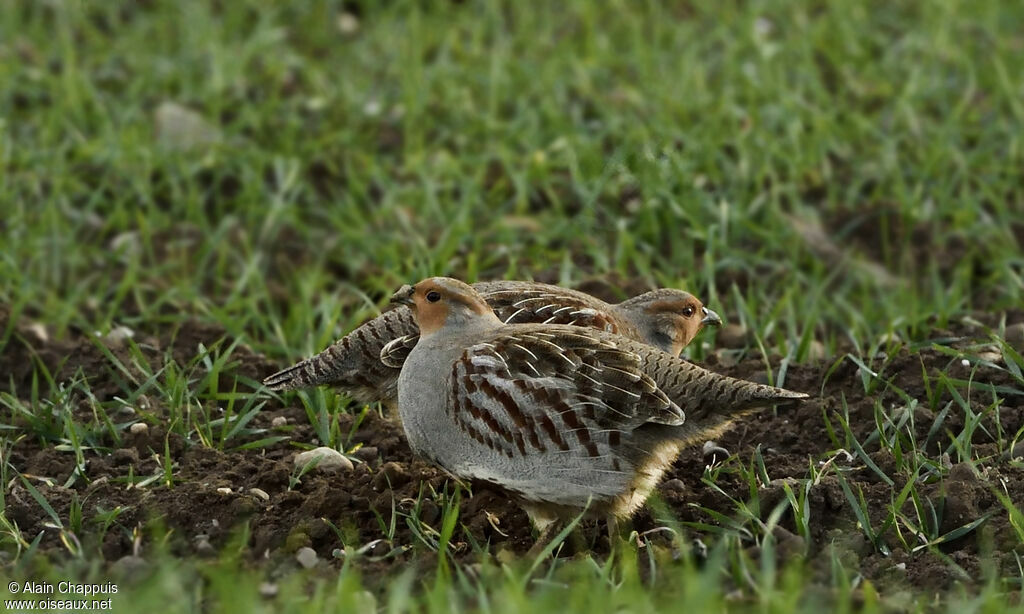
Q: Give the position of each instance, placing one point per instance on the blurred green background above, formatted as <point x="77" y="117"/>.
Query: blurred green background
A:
<point x="843" y="167"/>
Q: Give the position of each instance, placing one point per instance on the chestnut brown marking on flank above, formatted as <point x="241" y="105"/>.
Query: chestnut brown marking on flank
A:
<point x="507" y="401"/>
<point x="591" y="448"/>
<point x="454" y="396"/>
<point x="478" y="412"/>
<point x="512" y="408"/>
<point x="568" y="415"/>
<point x="616" y="465"/>
<point x="553" y="434"/>
<point x="614" y="438"/>
<point x="546" y="397"/>
<point x="495" y="426"/>
<point x="519" y="442"/>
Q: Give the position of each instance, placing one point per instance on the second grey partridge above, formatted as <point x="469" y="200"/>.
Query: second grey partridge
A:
<point x="665" y="318"/>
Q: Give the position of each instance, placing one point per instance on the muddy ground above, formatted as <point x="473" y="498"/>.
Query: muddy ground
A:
<point x="216" y="492"/>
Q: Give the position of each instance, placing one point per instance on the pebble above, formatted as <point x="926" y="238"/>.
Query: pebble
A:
<point x="306" y="557"/>
<point x="714" y="453"/>
<point x="125" y="456"/>
<point x="118" y="336"/>
<point x="130" y="566"/>
<point x="429" y="512"/>
<point x="732" y="336"/>
<point x="139" y="428"/>
<point x="991" y="356"/>
<point x="962" y="472"/>
<point x="727" y="358"/>
<point x="203" y="545"/>
<point x="224" y="490"/>
<point x="367" y="453"/>
<point x="390" y="475"/>
<point x="816" y="351"/>
<point x="330" y="460"/>
<point x="39" y="331"/>
<point x="365" y="602"/>
<point x="1014" y="336"/>
<point x="674" y="484"/>
<point x="259" y="493"/>
<point x="268" y="590"/>
<point x="1017" y="451"/>
<point x="279" y="421"/>
<point x="348" y="23"/>
<point x="179" y="127"/>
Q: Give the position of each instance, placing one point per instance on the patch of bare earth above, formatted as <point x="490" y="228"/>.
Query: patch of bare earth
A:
<point x="216" y="492"/>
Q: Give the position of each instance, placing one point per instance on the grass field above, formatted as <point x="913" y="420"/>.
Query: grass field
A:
<point x="195" y="194"/>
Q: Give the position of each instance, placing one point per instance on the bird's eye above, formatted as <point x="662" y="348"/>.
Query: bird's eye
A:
<point x="433" y="296"/>
<point x="688" y="311"/>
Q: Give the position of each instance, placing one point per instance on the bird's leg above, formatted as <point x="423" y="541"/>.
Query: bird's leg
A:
<point x="614" y="531"/>
<point x="618" y="532"/>
<point x="546" y="536"/>
<point x="548" y="525"/>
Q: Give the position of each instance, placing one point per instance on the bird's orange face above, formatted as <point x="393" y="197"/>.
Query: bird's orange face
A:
<point x="681" y="318"/>
<point x="435" y="299"/>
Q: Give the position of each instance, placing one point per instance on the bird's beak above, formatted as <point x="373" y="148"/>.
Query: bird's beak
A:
<point x="710" y="317"/>
<point x="403" y="296"/>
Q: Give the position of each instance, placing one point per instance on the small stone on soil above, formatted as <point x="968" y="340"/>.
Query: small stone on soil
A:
<point x="390" y="475"/>
<point x="816" y="351"/>
<point x="1017" y="451"/>
<point x="367" y="453"/>
<point x="328" y="459"/>
<point x="348" y="23"/>
<point x="1014" y="335"/>
<point x="139" y="428"/>
<point x="203" y="546"/>
<point x="306" y="557"/>
<point x="130" y="566"/>
<point x="429" y="512"/>
<point x="268" y="590"/>
<point x="118" y="336"/>
<point x="674" y="484"/>
<point x="125" y="456"/>
<point x="179" y="127"/>
<point x="963" y="472"/>
<point x="225" y="490"/>
<point x="259" y="493"/>
<point x="279" y="421"/>
<point x="39" y="331"/>
<point x="714" y="453"/>
<point x="732" y="336"/>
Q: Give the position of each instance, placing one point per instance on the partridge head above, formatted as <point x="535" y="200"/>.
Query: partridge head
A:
<point x="564" y="418"/>
<point x="666" y="318"/>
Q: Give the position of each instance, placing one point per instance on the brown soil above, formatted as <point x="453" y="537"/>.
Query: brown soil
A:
<point x="215" y="492"/>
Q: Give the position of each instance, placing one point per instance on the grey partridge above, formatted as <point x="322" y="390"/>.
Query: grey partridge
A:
<point x="564" y="418"/>
<point x="666" y="318"/>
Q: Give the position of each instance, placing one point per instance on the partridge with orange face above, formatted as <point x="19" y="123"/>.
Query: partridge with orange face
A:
<point x="564" y="418"/>
<point x="665" y="318"/>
